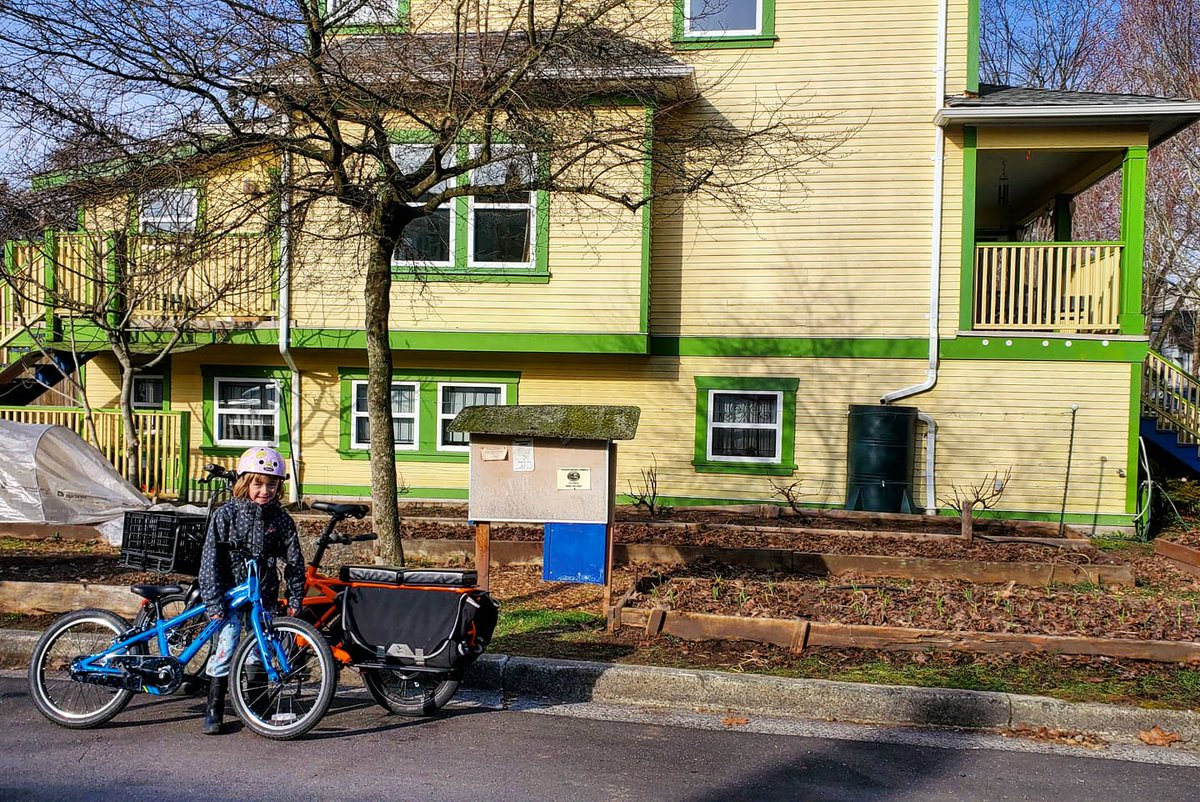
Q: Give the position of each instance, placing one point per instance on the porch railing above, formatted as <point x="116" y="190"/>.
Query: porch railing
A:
<point x="164" y="436"/>
<point x="1047" y="286"/>
<point x="1172" y="396"/>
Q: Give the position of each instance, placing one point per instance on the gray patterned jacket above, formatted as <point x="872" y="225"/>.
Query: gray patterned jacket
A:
<point x="266" y="531"/>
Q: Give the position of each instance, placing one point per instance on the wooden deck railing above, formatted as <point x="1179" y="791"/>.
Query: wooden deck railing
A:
<point x="164" y="438"/>
<point x="1172" y="395"/>
<point x="1047" y="286"/>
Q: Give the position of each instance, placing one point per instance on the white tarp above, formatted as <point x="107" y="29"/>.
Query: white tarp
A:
<point x="48" y="474"/>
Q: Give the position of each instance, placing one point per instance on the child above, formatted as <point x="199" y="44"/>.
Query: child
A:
<point x="254" y="521"/>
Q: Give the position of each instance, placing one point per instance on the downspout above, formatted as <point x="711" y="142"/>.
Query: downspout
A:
<point x="930" y="461"/>
<point x="935" y="237"/>
<point x="284" y="312"/>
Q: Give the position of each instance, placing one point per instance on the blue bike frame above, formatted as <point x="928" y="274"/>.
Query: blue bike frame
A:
<point x="236" y="599"/>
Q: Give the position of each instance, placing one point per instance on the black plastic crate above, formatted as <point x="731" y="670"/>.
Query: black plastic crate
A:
<point x="163" y="541"/>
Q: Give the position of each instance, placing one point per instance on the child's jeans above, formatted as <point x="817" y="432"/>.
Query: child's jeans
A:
<point x="224" y="646"/>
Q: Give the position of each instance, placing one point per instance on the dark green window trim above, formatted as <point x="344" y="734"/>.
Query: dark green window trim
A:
<point x="163" y="370"/>
<point x="283" y="378"/>
<point x="401" y="25"/>
<point x="427" y="408"/>
<point x="764" y="38"/>
<point x="785" y="386"/>
<point x="460" y="270"/>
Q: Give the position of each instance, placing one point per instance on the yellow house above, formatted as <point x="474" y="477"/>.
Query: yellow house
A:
<point x="928" y="266"/>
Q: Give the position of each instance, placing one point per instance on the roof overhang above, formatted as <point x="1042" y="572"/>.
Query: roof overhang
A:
<point x="1164" y="119"/>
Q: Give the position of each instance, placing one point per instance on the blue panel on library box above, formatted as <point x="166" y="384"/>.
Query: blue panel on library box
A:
<point x="574" y="553"/>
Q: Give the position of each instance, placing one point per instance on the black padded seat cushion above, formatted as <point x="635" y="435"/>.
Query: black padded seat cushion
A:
<point x="384" y="575"/>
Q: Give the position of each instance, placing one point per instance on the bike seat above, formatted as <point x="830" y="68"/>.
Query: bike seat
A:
<point x="383" y="575"/>
<point x="152" y="592"/>
<point x="352" y="510"/>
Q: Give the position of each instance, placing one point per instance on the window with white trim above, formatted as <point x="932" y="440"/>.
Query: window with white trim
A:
<point x="501" y="226"/>
<point x="147" y="391"/>
<point x="404" y="416"/>
<point x="744" y="426"/>
<point x="452" y="399"/>
<point x="722" y="17"/>
<point x="246" y="412"/>
<point x="362" y="12"/>
<point x="427" y="241"/>
<point x="168" y="211"/>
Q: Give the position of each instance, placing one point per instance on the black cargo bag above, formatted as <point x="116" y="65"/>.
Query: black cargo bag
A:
<point x="420" y="628"/>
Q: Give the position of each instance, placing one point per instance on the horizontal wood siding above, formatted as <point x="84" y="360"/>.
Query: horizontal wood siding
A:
<point x="991" y="415"/>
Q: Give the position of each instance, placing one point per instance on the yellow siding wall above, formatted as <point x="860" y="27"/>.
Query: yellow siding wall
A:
<point x="103" y="381"/>
<point x="992" y="416"/>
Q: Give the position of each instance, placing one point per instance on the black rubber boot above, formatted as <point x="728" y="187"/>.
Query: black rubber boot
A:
<point x="214" y="713"/>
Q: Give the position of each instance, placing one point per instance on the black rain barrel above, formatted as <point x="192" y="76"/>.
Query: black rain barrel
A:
<point x="880" y="453"/>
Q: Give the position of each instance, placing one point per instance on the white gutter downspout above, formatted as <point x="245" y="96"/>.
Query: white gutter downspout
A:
<point x="284" y="313"/>
<point x="935" y="257"/>
<point x="935" y="272"/>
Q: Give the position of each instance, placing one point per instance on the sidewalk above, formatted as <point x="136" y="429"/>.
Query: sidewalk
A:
<point x="564" y="681"/>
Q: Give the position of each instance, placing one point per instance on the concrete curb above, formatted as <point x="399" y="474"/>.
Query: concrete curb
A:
<point x="566" y="681"/>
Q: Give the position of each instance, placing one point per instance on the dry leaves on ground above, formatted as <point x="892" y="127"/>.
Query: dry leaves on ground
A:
<point x="1157" y="736"/>
<point x="735" y="721"/>
<point x="1052" y="735"/>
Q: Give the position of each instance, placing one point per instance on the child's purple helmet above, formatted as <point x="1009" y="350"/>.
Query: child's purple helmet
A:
<point x="260" y="459"/>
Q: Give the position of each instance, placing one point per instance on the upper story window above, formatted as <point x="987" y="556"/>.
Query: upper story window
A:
<point x="428" y="240"/>
<point x="724" y="23"/>
<point x="723" y="17"/>
<point x="502" y="227"/>
<point x="367" y="13"/>
<point x="168" y="211"/>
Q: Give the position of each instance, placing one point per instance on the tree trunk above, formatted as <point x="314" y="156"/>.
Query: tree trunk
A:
<point x="967" y="514"/>
<point x="132" y="439"/>
<point x="385" y="510"/>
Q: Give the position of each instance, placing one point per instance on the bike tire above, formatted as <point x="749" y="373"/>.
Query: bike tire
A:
<point x="178" y="639"/>
<point x="408" y="693"/>
<point x="288" y="709"/>
<point x="71" y="704"/>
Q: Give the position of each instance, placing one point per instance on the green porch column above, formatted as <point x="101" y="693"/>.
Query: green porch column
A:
<point x="49" y="281"/>
<point x="1133" y="234"/>
<point x="966" y="284"/>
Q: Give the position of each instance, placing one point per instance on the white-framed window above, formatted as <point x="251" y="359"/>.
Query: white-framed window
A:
<point x="428" y="240"/>
<point x="246" y="412"/>
<point x="452" y="398"/>
<point x="722" y="17"/>
<point x="501" y="228"/>
<point x="405" y="417"/>
<point x="147" y="391"/>
<point x="168" y="211"/>
<point x="362" y="12"/>
<point x="745" y="426"/>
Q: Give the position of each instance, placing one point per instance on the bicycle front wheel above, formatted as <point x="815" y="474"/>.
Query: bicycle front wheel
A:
<point x="293" y="705"/>
<point x="408" y="693"/>
<point x="56" y="695"/>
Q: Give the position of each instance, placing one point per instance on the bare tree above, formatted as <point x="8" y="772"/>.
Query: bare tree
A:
<point x="982" y="495"/>
<point x="499" y="98"/>
<point x="1047" y="44"/>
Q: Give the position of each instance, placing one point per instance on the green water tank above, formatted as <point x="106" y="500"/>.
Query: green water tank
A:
<point x="880" y="455"/>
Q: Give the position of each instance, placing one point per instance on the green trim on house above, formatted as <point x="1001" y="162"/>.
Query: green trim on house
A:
<point x="1041" y="348"/>
<point x="1133" y="232"/>
<point x="283" y="418"/>
<point x="785" y="386"/>
<point x="847" y="347"/>
<point x="360" y="491"/>
<point x="112" y="275"/>
<point x="427" y="410"/>
<point x="765" y="38"/>
<point x="50" y="280"/>
<point x="1135" y="424"/>
<point x="966" y="284"/>
<point x="647" y="221"/>
<point x="490" y="342"/>
<point x="403" y="13"/>
<point x="972" y="45"/>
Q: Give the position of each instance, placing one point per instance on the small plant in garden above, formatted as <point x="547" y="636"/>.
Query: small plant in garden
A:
<point x="716" y="587"/>
<point x="646" y="495"/>
<point x="982" y="496"/>
<point x="789" y="493"/>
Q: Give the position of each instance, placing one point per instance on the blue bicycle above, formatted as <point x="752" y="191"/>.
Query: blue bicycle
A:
<point x="88" y="664"/>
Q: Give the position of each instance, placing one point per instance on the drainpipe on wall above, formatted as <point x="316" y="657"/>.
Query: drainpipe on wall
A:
<point x="930" y="461"/>
<point x="284" y="331"/>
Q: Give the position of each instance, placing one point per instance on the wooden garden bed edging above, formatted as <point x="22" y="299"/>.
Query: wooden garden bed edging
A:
<point x="1185" y="558"/>
<point x="527" y="552"/>
<point x="40" y="598"/>
<point x="795" y="634"/>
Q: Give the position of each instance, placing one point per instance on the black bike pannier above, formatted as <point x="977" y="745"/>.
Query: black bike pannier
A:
<point x="420" y="628"/>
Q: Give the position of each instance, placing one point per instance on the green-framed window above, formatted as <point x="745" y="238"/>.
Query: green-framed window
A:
<point x="149" y="391"/>
<point x="170" y="210"/>
<point x="243" y="407"/>
<point x="745" y="425"/>
<point x="502" y="237"/>
<point x="423" y="404"/>
<point x="367" y="16"/>
<point x="724" y="23"/>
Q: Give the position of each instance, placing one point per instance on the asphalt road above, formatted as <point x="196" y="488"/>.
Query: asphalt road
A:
<point x="480" y="751"/>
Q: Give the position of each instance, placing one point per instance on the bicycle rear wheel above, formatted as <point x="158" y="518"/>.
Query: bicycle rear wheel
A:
<point x="292" y="706"/>
<point x="408" y="693"/>
<point x="179" y="638"/>
<point x="66" y="702"/>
